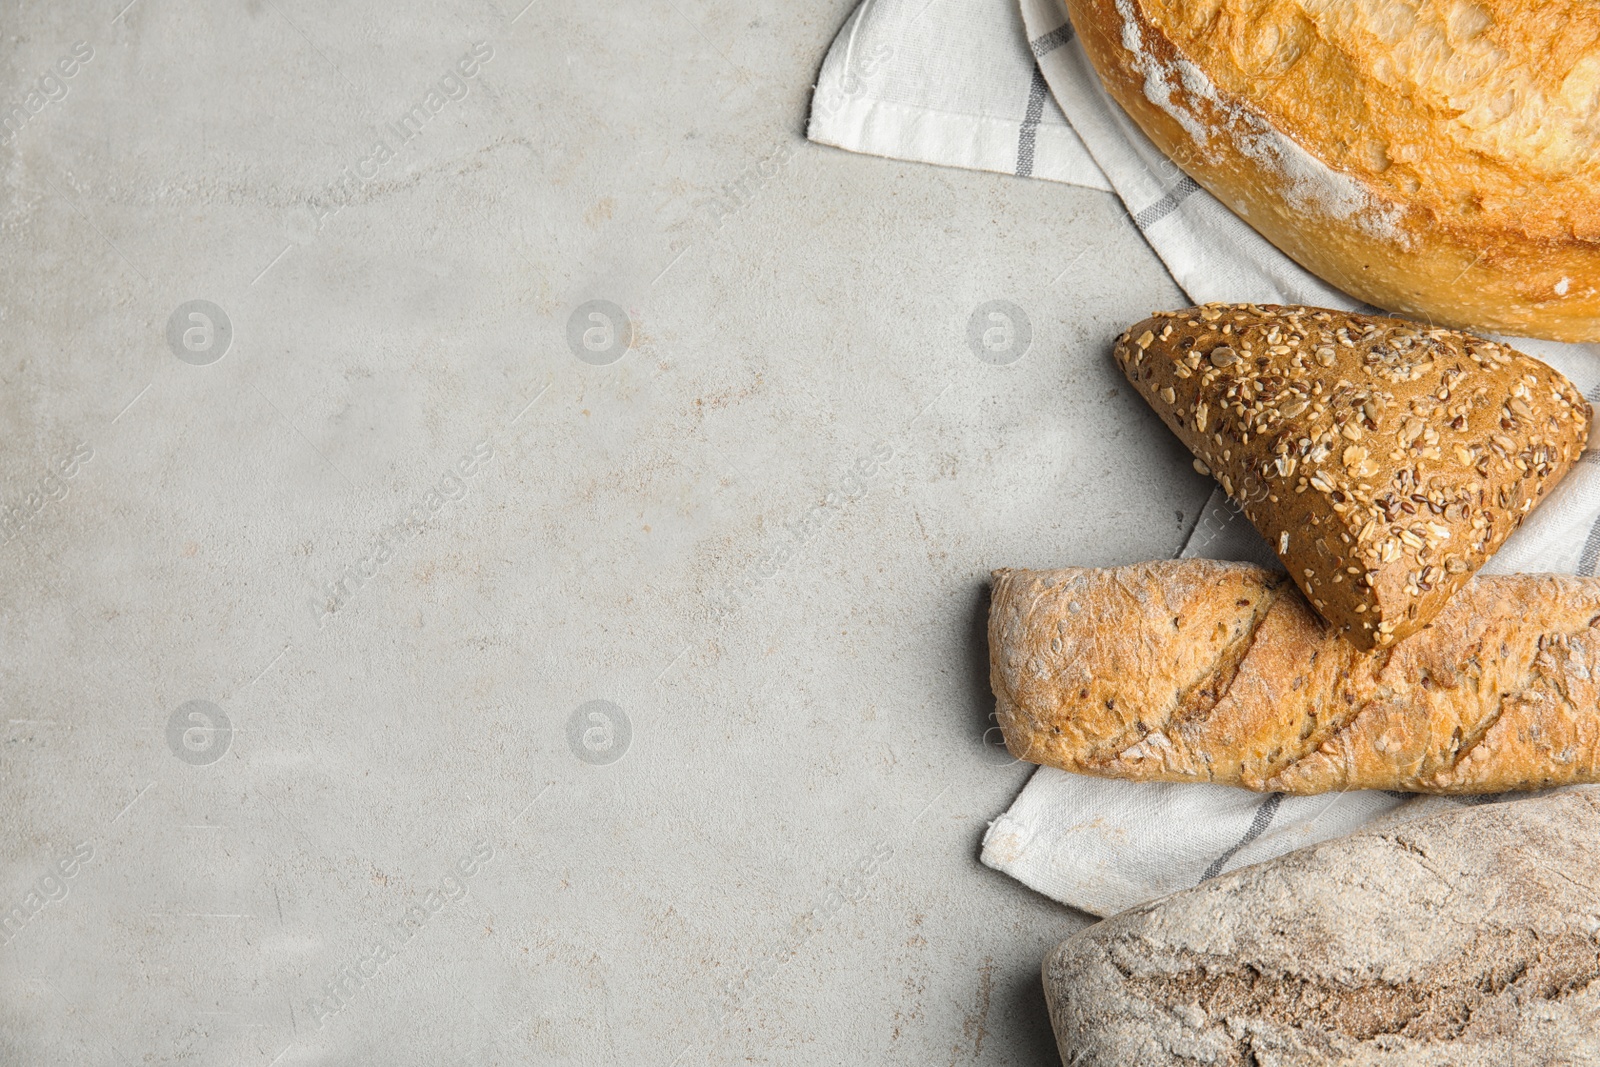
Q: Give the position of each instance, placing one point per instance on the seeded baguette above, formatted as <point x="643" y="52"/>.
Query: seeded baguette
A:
<point x="1384" y="461"/>
<point x="1203" y="671"/>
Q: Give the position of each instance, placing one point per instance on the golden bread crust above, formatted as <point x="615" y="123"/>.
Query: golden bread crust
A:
<point x="1203" y="671"/>
<point x="1438" y="160"/>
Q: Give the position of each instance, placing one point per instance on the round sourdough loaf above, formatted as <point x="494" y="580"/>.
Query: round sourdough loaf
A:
<point x="1440" y="159"/>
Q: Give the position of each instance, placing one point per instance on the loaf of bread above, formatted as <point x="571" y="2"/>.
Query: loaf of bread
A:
<point x="1383" y="460"/>
<point x="1200" y="671"/>
<point x="1438" y="160"/>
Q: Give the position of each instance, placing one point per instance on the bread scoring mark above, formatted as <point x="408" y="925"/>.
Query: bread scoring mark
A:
<point x="1193" y="705"/>
<point x="1321" y="734"/>
<point x="1500" y="694"/>
<point x="1434" y="1008"/>
<point x="1546" y="688"/>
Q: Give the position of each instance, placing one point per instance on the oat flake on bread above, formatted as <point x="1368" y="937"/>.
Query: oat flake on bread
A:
<point x="1439" y="160"/>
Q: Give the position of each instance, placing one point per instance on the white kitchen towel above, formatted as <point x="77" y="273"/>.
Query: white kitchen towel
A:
<point x="945" y="81"/>
<point x="963" y="83"/>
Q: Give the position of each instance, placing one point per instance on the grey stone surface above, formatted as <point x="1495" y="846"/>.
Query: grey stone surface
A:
<point x="730" y="806"/>
<point x="1467" y="938"/>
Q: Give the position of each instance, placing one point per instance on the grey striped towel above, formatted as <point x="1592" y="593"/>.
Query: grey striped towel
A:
<point x="978" y="84"/>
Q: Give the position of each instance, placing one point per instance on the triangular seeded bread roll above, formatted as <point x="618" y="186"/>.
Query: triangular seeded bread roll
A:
<point x="1384" y="461"/>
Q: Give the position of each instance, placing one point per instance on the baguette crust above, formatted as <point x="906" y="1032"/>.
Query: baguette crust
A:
<point x="1438" y="160"/>
<point x="1385" y="462"/>
<point x="1202" y="671"/>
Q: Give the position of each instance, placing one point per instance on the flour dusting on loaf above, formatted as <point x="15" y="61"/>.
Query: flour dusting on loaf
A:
<point x="1158" y="87"/>
<point x="1308" y="183"/>
<point x="1438" y="160"/>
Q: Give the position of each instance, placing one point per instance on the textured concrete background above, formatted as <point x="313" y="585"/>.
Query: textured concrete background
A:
<point x="307" y="592"/>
